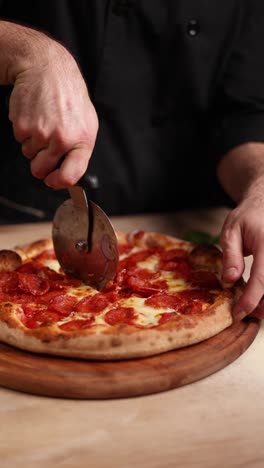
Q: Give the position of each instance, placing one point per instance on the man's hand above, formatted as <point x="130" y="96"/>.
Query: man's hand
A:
<point x="242" y="174"/>
<point x="50" y="109"/>
<point x="242" y="235"/>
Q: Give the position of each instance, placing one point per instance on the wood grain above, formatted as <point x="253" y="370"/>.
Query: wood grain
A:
<point x="68" y="378"/>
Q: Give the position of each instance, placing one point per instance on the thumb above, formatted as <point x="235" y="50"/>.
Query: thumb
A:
<point x="233" y="259"/>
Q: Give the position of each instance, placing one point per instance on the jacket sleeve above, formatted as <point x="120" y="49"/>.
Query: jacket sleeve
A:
<point x="239" y="104"/>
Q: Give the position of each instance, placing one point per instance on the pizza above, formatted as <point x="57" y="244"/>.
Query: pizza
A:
<point x="167" y="294"/>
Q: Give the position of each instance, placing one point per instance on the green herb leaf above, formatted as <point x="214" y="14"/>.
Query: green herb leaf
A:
<point x="201" y="237"/>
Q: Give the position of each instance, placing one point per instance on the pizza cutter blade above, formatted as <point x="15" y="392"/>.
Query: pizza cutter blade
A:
<point x="84" y="240"/>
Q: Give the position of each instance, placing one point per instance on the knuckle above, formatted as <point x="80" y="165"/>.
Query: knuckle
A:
<point x="41" y="134"/>
<point x="59" y="135"/>
<point x="21" y="130"/>
<point x="61" y="140"/>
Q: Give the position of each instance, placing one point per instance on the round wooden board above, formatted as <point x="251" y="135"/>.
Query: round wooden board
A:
<point x="70" y="378"/>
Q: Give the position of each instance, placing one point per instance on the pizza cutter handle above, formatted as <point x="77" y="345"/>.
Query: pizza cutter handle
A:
<point x="90" y="184"/>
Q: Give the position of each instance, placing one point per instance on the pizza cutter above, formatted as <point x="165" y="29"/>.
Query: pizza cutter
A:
<point x="84" y="239"/>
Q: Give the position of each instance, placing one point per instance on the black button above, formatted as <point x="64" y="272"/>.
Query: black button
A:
<point x="121" y="7"/>
<point x="193" y="28"/>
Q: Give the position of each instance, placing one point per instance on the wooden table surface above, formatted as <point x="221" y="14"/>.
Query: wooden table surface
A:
<point x="212" y="423"/>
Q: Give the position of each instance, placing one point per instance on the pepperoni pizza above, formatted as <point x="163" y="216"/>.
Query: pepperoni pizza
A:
<point x="167" y="294"/>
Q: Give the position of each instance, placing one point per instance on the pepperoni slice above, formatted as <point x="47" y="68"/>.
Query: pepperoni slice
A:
<point x="64" y="282"/>
<point x="122" y="264"/>
<point x="32" y="284"/>
<point x="55" y="279"/>
<point x="196" y="307"/>
<point x="48" y="316"/>
<point x="181" y="269"/>
<point x="165" y="301"/>
<point x="173" y="254"/>
<point x="110" y="286"/>
<point x="63" y="304"/>
<point x="4" y="297"/>
<point x="31" y="323"/>
<point x="120" y="315"/>
<point x="204" y="279"/>
<point x="144" y="287"/>
<point x="121" y="277"/>
<point x="201" y="294"/>
<point x="114" y="291"/>
<point x="134" y="237"/>
<point x="140" y="256"/>
<point x="75" y="325"/>
<point x="144" y="273"/>
<point x="8" y="282"/>
<point x="95" y="303"/>
<point x="166" y="317"/>
<point x="43" y="317"/>
<point x="71" y="282"/>
<point x="124" y="248"/>
<point x="20" y="297"/>
<point x="133" y="259"/>
<point x="114" y="296"/>
<point x="50" y="274"/>
<point x="48" y="254"/>
<point x="30" y="268"/>
<point x="46" y="298"/>
<point x="30" y="310"/>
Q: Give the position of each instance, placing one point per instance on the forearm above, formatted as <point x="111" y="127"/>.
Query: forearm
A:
<point x="49" y="106"/>
<point x="242" y="170"/>
<point x="20" y="47"/>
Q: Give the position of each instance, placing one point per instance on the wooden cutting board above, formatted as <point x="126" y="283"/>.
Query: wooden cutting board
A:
<point x="69" y="378"/>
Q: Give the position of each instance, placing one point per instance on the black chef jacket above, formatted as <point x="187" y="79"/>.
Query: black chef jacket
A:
<point x="176" y="84"/>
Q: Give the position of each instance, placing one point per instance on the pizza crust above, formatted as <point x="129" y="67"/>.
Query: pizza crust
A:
<point x="28" y="251"/>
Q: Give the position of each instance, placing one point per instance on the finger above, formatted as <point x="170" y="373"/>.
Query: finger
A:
<point x="47" y="159"/>
<point x="44" y="163"/>
<point x="71" y="170"/>
<point x="233" y="259"/>
<point x="254" y="289"/>
<point x="33" y="145"/>
<point x="259" y="311"/>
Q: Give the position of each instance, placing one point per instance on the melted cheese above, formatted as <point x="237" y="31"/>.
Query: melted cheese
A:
<point x="150" y="264"/>
<point x="75" y="316"/>
<point x="174" y="284"/>
<point x="81" y="291"/>
<point x="52" y="264"/>
<point x="146" y="316"/>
